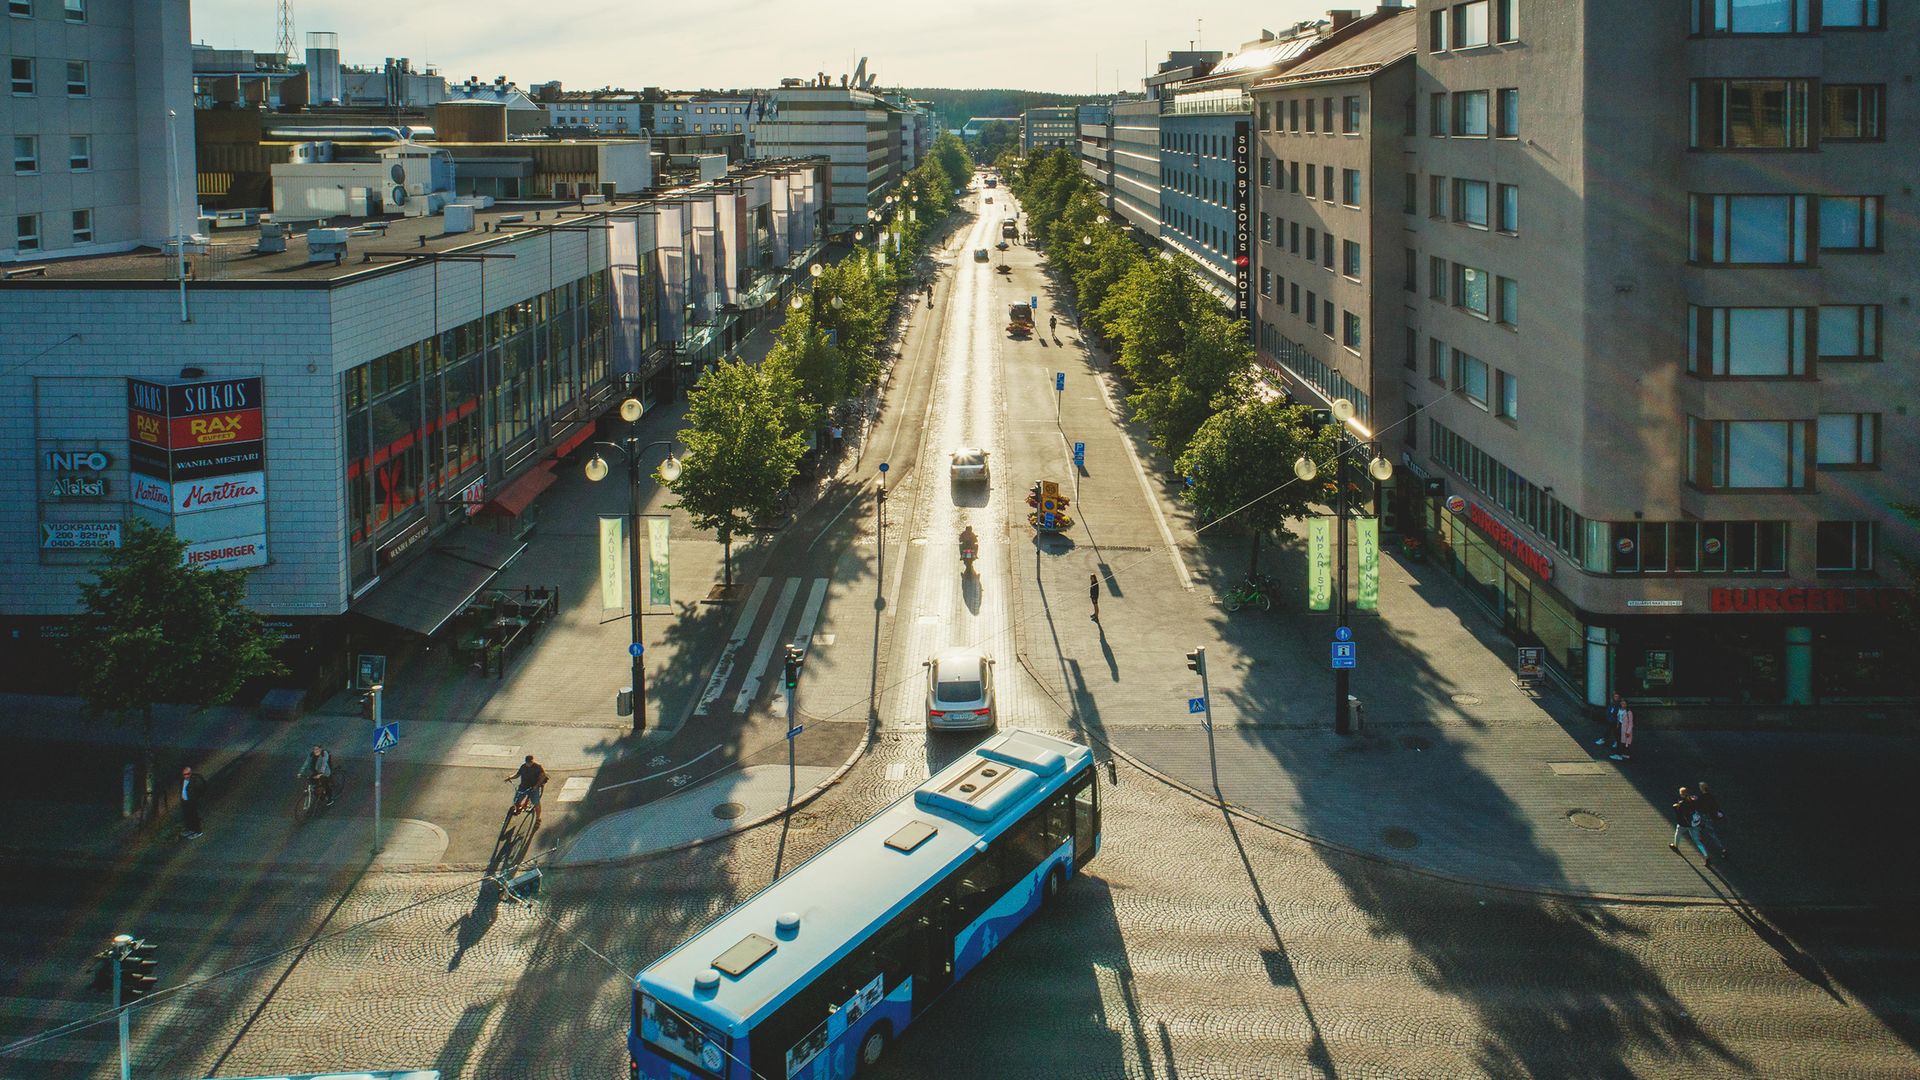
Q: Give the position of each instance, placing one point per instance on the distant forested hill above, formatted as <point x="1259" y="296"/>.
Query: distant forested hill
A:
<point x="954" y="106"/>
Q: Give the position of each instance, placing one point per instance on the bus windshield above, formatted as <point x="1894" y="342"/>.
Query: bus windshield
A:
<point x="680" y="1037"/>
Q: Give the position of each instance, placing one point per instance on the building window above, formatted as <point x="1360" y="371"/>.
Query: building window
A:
<point x="1436" y="277"/>
<point x="1506" y="20"/>
<point x="1849" y="332"/>
<point x="1850" y="15"/>
<point x="76" y="78"/>
<point x="1313" y="308"/>
<point x="1747" y="455"/>
<point x="1506" y="399"/>
<point x="83" y="226"/>
<point x="22" y="8"/>
<point x="1437" y="360"/>
<point x="1350" y="260"/>
<point x="20" y="69"/>
<point x="1326" y="115"/>
<point x="1411" y="281"/>
<point x="1437" y="115"/>
<point x="1470" y="202"/>
<point x="1312" y="118"/>
<point x="79" y="152"/>
<point x="1326" y="323"/>
<point x="76" y="11"/>
<point x="1350" y="116"/>
<point x="1437" y="30"/>
<point x="1750" y="114"/>
<point x="1350" y="187"/>
<point x="1263" y="116"/>
<point x="1294" y="230"/>
<point x="1266" y="172"/>
<point x="1293" y="116"/>
<point x="1507" y="290"/>
<point x="1843" y="545"/>
<point x="26" y="155"/>
<point x="1852" y="112"/>
<point x="1470" y="289"/>
<point x="1748" y="229"/>
<point x="1326" y="182"/>
<point x="1507" y="113"/>
<point x="1411" y="194"/>
<point x="1470" y="113"/>
<point x="1293" y="295"/>
<point x="1436" y="196"/>
<point x="1469" y="27"/>
<point x="26" y="232"/>
<point x="1351" y="330"/>
<point x="1312" y="175"/>
<point x="1750" y="17"/>
<point x="1266" y="282"/>
<point x="1266" y="228"/>
<point x="1850" y="223"/>
<point x="1508" y="205"/>
<point x="1293" y="177"/>
<point x="1410" y="360"/>
<point x="1326" y="251"/>
<point x="1470" y="377"/>
<point x="1747" y="343"/>
<point x="1847" y="440"/>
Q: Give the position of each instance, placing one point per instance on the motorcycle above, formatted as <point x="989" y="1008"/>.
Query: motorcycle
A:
<point x="969" y="550"/>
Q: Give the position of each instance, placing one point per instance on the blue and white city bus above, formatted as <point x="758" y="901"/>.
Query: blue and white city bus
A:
<point x="812" y="977"/>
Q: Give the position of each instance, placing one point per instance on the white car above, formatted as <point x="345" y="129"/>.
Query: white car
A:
<point x="969" y="463"/>
<point x="960" y="690"/>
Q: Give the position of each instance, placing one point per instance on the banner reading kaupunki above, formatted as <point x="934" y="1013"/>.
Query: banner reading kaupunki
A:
<point x="659" y="577"/>
<point x="613" y="563"/>
<point x="1366" y="546"/>
<point x="1319" y="564"/>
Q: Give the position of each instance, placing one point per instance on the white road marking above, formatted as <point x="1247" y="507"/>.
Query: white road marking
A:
<point x="723" y="670"/>
<point x="486" y="749"/>
<point x="896" y="770"/>
<point x="655" y="776"/>
<point x="803" y="634"/>
<point x="1183" y="575"/>
<point x="750" y="686"/>
<point x="575" y="789"/>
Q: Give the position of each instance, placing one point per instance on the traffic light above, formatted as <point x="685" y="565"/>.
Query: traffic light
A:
<point x="137" y="971"/>
<point x="103" y="972"/>
<point x="1197" y="660"/>
<point x="795" y="658"/>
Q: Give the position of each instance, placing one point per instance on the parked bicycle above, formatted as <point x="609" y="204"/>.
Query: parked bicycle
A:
<point x="1253" y="592"/>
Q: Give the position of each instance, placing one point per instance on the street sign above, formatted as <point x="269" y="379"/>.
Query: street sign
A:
<point x="1196" y="704"/>
<point x="636" y="649"/>
<point x="1343" y="633"/>
<point x="1346" y="654"/>
<point x="1033" y="302"/>
<point x="385" y="738"/>
<point x="1059" y="380"/>
<point x="372" y="671"/>
<point x="794" y="731"/>
<point x="883" y="466"/>
<point x="1079" y="453"/>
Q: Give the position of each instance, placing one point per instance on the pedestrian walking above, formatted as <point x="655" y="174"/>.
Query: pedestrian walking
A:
<point x="1053" y="326"/>
<point x="1686" y="819"/>
<point x="1711" y="816"/>
<point x="1093" y="594"/>
<point x="1623" y="737"/>
<point x="1612" y="733"/>
<point x="192" y="792"/>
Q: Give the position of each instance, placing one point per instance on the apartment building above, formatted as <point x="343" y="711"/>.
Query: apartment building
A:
<point x="849" y="127"/>
<point x="1661" y="339"/>
<point x="1095" y="152"/>
<point x="99" y="122"/>
<point x="1134" y="180"/>
<point x="1049" y="127"/>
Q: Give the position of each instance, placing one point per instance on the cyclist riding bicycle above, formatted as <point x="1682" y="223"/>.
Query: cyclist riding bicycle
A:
<point x="531" y="779"/>
<point x="317" y="770"/>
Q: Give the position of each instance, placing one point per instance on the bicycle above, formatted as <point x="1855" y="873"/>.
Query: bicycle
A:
<point x="310" y="801"/>
<point x="1248" y="592"/>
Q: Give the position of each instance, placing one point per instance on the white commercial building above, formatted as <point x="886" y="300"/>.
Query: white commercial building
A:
<point x="850" y="128"/>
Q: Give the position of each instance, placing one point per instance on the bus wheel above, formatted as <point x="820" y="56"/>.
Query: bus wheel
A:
<point x="873" y="1046"/>
<point x="1051" y="890"/>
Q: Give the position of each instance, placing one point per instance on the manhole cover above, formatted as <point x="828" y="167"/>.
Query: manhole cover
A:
<point x="1400" y="838"/>
<point x="1466" y="699"/>
<point x="727" y="811"/>
<point x="1586" y="819"/>
<point x="1416" y="742"/>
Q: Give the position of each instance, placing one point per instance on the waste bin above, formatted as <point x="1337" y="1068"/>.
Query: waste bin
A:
<point x="623" y="701"/>
<point x="1358" y="714"/>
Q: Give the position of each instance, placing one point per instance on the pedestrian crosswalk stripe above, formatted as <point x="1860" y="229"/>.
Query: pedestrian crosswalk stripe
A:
<point x="750" y="688"/>
<point x="723" y="670"/>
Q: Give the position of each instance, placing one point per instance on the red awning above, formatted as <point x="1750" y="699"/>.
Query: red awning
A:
<point x="574" y="441"/>
<point x="514" y="499"/>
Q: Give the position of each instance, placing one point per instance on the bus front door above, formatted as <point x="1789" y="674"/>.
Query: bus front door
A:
<point x="934" y="932"/>
<point x="1085" y="791"/>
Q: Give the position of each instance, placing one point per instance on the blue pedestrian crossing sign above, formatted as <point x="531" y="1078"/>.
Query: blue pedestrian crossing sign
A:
<point x="1079" y="453"/>
<point x="1059" y="380"/>
<point x="385" y="738"/>
<point x="636" y="649"/>
<point x="1346" y="654"/>
<point x="1196" y="704"/>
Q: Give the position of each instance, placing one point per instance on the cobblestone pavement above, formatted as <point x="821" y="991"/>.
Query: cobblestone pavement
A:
<point x="1196" y="946"/>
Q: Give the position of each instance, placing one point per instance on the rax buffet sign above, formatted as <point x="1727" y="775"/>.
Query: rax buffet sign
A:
<point x="196" y="455"/>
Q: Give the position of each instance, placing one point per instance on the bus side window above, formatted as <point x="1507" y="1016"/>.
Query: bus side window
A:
<point x="1059" y="820"/>
<point x="978" y="884"/>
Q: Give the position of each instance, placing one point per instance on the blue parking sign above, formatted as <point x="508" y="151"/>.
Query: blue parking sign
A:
<point x="1059" y="380"/>
<point x="1079" y="453"/>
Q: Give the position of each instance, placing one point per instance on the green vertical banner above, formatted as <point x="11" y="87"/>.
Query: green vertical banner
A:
<point x="1366" y="546"/>
<point x="659" y="591"/>
<point x="613" y="563"/>
<point x="1319" y="564"/>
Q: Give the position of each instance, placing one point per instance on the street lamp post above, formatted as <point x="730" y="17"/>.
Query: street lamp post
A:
<point x="1380" y="469"/>
<point x="596" y="470"/>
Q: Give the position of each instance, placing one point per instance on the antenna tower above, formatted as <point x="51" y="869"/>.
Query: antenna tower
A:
<point x="285" y="41"/>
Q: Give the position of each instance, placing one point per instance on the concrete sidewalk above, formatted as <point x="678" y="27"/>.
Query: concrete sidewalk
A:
<point x="1459" y="772"/>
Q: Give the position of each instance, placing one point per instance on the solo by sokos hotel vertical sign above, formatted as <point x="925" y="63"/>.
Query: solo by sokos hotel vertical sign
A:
<point x="196" y="453"/>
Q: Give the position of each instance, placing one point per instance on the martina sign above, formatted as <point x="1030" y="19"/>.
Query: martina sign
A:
<point x="219" y="492"/>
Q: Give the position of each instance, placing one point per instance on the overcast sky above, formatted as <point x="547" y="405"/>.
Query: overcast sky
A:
<point x="1034" y="44"/>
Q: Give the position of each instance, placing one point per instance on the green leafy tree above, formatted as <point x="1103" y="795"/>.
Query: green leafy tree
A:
<point x="1212" y="356"/>
<point x="1110" y="257"/>
<point x="744" y="439"/>
<point x="1241" y="460"/>
<point x="156" y="630"/>
<point x="956" y="165"/>
<point x="1143" y="313"/>
<point x="801" y="348"/>
<point x="997" y="138"/>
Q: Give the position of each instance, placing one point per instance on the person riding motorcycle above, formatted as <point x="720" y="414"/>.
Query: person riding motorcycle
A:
<point x="969" y="544"/>
<point x="317" y="769"/>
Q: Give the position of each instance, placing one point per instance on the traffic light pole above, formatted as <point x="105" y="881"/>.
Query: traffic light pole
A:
<point x="373" y="714"/>
<point x="121" y="945"/>
<point x="794" y="658"/>
<point x="1341" y="685"/>
<point x="1197" y="662"/>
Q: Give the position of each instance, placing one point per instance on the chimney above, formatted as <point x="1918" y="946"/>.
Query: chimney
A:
<point x="1341" y="18"/>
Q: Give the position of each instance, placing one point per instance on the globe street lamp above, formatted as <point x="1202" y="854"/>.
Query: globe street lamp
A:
<point x="1381" y="470"/>
<point x="596" y="470"/>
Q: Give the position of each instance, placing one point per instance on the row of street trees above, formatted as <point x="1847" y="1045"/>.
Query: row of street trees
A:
<point x="1189" y="365"/>
<point x="749" y="425"/>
